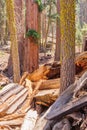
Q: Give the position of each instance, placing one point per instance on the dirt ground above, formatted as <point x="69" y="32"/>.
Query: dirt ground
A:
<point x="5" y="53"/>
<point x="4" y="56"/>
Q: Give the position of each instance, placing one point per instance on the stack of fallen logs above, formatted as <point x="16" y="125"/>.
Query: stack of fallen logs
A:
<point x="38" y="91"/>
<point x="69" y="111"/>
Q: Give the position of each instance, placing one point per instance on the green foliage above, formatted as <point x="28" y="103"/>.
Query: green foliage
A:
<point x="40" y="5"/>
<point x="31" y="33"/>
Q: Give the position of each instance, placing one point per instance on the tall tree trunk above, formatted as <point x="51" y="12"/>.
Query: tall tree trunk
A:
<point x="67" y="43"/>
<point x="58" y="35"/>
<point x="13" y="37"/>
<point x="47" y="31"/>
<point x="31" y="48"/>
<point x="20" y="25"/>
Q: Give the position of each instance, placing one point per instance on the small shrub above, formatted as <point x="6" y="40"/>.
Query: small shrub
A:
<point x="32" y="34"/>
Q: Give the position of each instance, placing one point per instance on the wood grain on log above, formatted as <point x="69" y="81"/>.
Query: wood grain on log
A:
<point x="29" y="120"/>
<point x="9" y="102"/>
<point x="14" y="122"/>
<point x="46" y="97"/>
<point x="8" y="88"/>
<point x="13" y="91"/>
<point x="68" y="108"/>
<point x="49" y="84"/>
<point x="28" y="103"/>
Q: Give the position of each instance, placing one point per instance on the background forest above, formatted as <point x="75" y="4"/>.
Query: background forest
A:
<point x="43" y="64"/>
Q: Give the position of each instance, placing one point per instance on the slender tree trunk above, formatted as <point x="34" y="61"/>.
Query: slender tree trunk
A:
<point x="39" y="29"/>
<point x="47" y="31"/>
<point x="67" y="43"/>
<point x="31" y="48"/>
<point x="13" y="37"/>
<point x="20" y="25"/>
<point x="58" y="35"/>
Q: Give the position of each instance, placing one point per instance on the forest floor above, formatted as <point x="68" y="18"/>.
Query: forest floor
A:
<point x="5" y="53"/>
<point x="4" y="56"/>
<point x="43" y="58"/>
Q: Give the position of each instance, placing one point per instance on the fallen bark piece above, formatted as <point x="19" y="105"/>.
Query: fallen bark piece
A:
<point x="49" y="84"/>
<point x="9" y="102"/>
<point x="12" y="116"/>
<point x="66" y="95"/>
<point x="37" y="74"/>
<point x="4" y="80"/>
<point x="84" y="124"/>
<point x="83" y="84"/>
<point x="30" y="98"/>
<point x="8" y="88"/>
<point x="23" y="78"/>
<point x="62" y="125"/>
<point x="46" y="97"/>
<point x="76" y="116"/>
<point x="68" y="108"/>
<point x="5" y="127"/>
<point x="64" y="98"/>
<point x="17" y="104"/>
<point x="81" y="62"/>
<point x="29" y="120"/>
<point x="14" y="122"/>
<point x="13" y="91"/>
<point x="47" y="71"/>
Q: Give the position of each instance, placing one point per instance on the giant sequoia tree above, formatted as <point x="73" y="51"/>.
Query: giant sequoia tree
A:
<point x="31" y="46"/>
<point x="67" y="42"/>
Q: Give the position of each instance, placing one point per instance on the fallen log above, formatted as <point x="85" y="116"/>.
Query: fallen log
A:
<point x="11" y="92"/>
<point x="9" y="102"/>
<point x="52" y="70"/>
<point x="28" y="103"/>
<point x="81" y="62"/>
<point x="8" y="88"/>
<point x="62" y="125"/>
<point x="5" y="127"/>
<point x="68" y="108"/>
<point x="49" y="84"/>
<point x="66" y="95"/>
<point x="17" y="104"/>
<point x="46" y="97"/>
<point x="64" y="98"/>
<point x="14" y="122"/>
<point x="29" y="120"/>
<point x="12" y="116"/>
<point x="47" y="71"/>
<point x="37" y="74"/>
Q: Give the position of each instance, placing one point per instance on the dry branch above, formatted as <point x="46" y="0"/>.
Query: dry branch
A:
<point x="28" y="103"/>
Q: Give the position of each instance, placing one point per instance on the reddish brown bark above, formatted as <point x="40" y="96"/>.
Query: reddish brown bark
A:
<point x="31" y="48"/>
